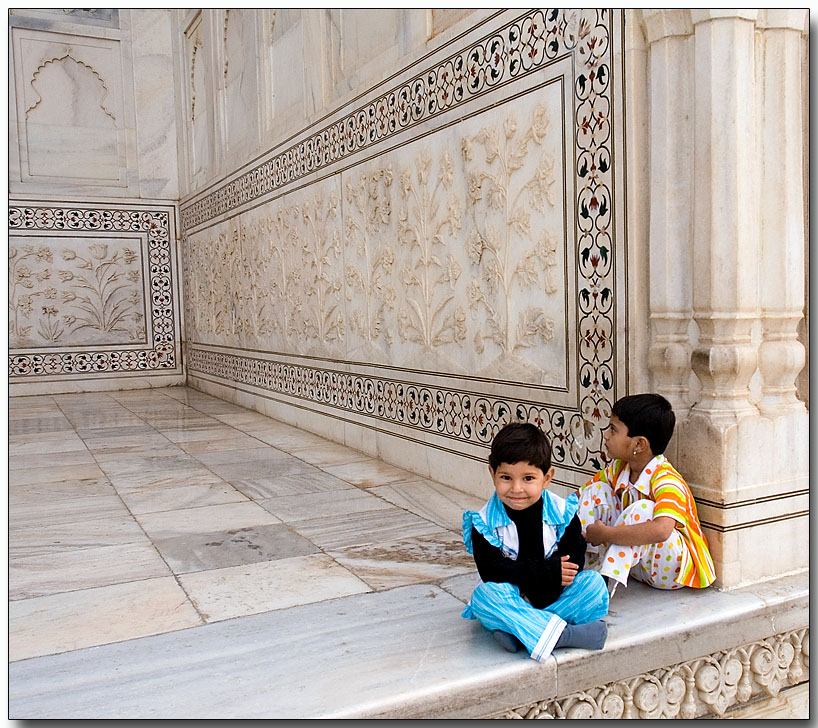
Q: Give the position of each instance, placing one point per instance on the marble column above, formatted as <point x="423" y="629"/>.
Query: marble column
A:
<point x="745" y="457"/>
<point x="781" y="354"/>
<point x="669" y="34"/>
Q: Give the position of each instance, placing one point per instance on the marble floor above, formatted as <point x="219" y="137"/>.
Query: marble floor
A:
<point x="144" y="512"/>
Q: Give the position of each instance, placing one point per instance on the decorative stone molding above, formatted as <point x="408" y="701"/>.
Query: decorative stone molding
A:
<point x="708" y="685"/>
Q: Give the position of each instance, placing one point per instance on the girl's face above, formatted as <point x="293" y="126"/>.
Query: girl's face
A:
<point x="520" y="485"/>
<point x="618" y="444"/>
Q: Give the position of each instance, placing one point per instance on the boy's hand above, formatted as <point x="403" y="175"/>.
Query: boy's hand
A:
<point x="569" y="570"/>
<point x="595" y="533"/>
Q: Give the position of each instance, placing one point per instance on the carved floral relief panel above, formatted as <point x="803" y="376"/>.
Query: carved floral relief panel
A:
<point x="75" y="292"/>
<point x="271" y="278"/>
<point x="455" y="249"/>
<point x="92" y="291"/>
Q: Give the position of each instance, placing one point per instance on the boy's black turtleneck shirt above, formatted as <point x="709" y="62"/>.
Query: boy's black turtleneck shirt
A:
<point x="539" y="578"/>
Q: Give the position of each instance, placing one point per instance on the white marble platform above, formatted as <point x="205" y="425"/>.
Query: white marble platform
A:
<point x="265" y="572"/>
<point x="400" y="653"/>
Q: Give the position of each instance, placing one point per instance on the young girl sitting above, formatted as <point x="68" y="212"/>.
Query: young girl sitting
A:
<point x="638" y="515"/>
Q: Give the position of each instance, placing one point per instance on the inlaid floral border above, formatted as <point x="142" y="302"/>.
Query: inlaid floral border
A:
<point x="508" y="54"/>
<point x="453" y="414"/>
<point x="161" y="354"/>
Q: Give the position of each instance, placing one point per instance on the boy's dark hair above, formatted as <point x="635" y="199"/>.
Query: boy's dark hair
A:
<point x="520" y="442"/>
<point x="647" y="415"/>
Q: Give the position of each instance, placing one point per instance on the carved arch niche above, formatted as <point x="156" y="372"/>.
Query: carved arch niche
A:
<point x="70" y="110"/>
<point x="198" y="106"/>
<point x="240" y="107"/>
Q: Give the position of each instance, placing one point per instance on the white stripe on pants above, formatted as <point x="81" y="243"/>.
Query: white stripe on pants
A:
<point x="498" y="605"/>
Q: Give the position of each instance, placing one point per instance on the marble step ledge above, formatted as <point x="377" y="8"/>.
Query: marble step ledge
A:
<point x="406" y="653"/>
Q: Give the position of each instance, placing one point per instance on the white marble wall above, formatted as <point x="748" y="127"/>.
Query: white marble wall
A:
<point x="439" y="253"/>
<point x="94" y="299"/>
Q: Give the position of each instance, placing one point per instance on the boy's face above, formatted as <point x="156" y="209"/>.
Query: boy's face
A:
<point x="618" y="444"/>
<point x="520" y="485"/>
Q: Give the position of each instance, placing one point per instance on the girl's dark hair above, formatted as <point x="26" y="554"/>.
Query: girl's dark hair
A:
<point x="647" y="415"/>
<point x="520" y="442"/>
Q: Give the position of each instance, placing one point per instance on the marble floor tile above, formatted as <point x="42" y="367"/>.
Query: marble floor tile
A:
<point x="66" y="441"/>
<point x="244" y="419"/>
<point x="32" y="514"/>
<point x="259" y="454"/>
<point x="284" y="437"/>
<point x="80" y="471"/>
<point x="63" y="490"/>
<point x="215" y="407"/>
<point x="251" y="469"/>
<point x="192" y="431"/>
<point x="101" y="420"/>
<point x="97" y="616"/>
<point x="234" y="547"/>
<point x="462" y="586"/>
<point x="31" y="401"/>
<point x="35" y="425"/>
<point x="234" y="441"/>
<point x="322" y="505"/>
<point x="269" y="585"/>
<point x="306" y="481"/>
<point x="56" y="460"/>
<point x="205" y="519"/>
<point x="370" y="473"/>
<point x="359" y="529"/>
<point x="433" y="501"/>
<point x="54" y="538"/>
<point x="152" y="499"/>
<point x="36" y="576"/>
<point x="132" y="463"/>
<point x="154" y="445"/>
<point x="34" y="412"/>
<point x="329" y="454"/>
<point x="157" y="472"/>
<point x="418" y="560"/>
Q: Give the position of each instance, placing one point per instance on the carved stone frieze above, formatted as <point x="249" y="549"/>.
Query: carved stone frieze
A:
<point x="510" y="244"/>
<point x="430" y="216"/>
<point x="370" y="260"/>
<point x="709" y="685"/>
<point x="66" y="294"/>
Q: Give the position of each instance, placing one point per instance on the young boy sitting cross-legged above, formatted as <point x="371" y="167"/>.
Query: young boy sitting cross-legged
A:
<point x="529" y="551"/>
<point x="638" y="514"/>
